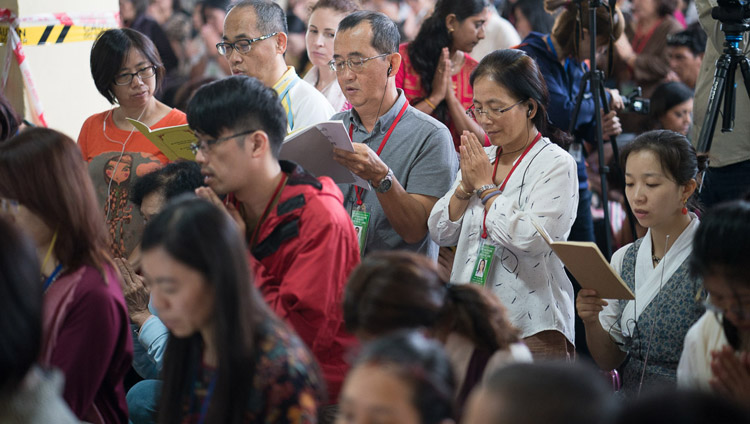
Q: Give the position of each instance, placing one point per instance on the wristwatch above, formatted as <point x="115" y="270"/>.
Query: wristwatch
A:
<point x="385" y="184"/>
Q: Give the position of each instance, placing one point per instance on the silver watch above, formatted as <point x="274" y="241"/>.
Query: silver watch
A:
<point x="385" y="184"/>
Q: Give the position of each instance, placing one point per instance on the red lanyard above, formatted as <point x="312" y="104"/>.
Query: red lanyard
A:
<point x="640" y="41"/>
<point x="359" y="190"/>
<point x="276" y="195"/>
<point x="507" y="177"/>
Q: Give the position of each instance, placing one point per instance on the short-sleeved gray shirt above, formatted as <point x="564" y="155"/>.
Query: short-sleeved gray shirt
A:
<point x="420" y="152"/>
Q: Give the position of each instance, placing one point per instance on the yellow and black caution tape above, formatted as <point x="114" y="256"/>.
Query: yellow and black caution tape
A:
<point x="53" y="34"/>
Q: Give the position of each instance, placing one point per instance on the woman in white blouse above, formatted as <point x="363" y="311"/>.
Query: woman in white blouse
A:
<point x="321" y="30"/>
<point x="644" y="337"/>
<point x="488" y="213"/>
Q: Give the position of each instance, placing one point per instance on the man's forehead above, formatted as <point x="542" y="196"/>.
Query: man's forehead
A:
<point x="240" y="22"/>
<point x="355" y="41"/>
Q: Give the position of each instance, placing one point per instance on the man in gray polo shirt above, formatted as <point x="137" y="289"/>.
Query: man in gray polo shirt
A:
<point x="407" y="156"/>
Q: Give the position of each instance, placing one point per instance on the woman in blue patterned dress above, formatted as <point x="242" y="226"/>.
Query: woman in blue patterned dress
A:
<point x="228" y="359"/>
<point x="644" y="337"/>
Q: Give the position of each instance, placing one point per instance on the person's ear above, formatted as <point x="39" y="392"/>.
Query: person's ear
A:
<point x="532" y="109"/>
<point x="688" y="189"/>
<point x="395" y="63"/>
<point x="281" y="40"/>
<point x="451" y="22"/>
<point x="257" y="143"/>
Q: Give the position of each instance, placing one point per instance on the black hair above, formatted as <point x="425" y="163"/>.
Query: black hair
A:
<point x="385" y="35"/>
<point x="238" y="103"/>
<point x="9" y="119"/>
<point x="172" y="180"/>
<point x="694" y="38"/>
<point x="677" y="156"/>
<point x="722" y="242"/>
<point x="21" y="303"/>
<point x="269" y="16"/>
<point x="533" y="11"/>
<point x="109" y="52"/>
<point x="518" y="73"/>
<point x="422" y="364"/>
<point x="215" y="4"/>
<point x="569" y="24"/>
<point x="199" y="235"/>
<point x="684" y="407"/>
<point x="433" y="36"/>
<point x="560" y="393"/>
<point x="668" y="95"/>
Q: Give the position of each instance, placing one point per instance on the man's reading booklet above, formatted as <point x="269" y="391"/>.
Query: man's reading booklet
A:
<point x="311" y="147"/>
<point x="586" y="262"/>
<point x="174" y="142"/>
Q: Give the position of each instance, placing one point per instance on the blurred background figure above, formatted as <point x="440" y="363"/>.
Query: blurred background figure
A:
<point x="321" y="30"/>
<point x="85" y="321"/>
<point x="28" y="393"/>
<point x="400" y="378"/>
<point x="685" y="52"/>
<point x="499" y="33"/>
<point x="672" y="108"/>
<point x="547" y="393"/>
<point x="436" y="66"/>
<point x="530" y="15"/>
<point x="133" y="15"/>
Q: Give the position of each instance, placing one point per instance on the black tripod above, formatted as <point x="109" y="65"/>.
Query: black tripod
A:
<point x="595" y="78"/>
<point x="734" y="22"/>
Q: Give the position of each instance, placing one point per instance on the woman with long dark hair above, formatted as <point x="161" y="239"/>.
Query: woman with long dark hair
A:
<point x="228" y="358"/>
<point x="436" y="66"/>
<point x="389" y="291"/>
<point x="86" y="327"/>
<point x="644" y="337"/>
<point x="499" y="190"/>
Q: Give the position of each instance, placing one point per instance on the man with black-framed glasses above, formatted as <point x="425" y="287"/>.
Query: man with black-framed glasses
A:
<point x="407" y="155"/>
<point x="254" y="42"/>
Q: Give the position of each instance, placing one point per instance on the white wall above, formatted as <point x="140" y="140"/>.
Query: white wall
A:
<point x="60" y="71"/>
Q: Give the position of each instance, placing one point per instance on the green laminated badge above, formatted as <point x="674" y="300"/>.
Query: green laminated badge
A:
<point x="483" y="263"/>
<point x="361" y="221"/>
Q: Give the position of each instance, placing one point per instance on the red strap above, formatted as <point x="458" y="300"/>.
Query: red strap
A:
<point x="276" y="195"/>
<point x="359" y="190"/>
<point x="507" y="177"/>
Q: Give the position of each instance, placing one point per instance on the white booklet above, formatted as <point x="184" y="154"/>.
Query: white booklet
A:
<point x="312" y="148"/>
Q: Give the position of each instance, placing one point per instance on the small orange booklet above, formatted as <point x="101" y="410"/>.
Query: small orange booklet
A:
<point x="586" y="262"/>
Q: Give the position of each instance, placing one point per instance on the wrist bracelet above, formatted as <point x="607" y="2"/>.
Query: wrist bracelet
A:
<point x="429" y="103"/>
<point x="465" y="192"/>
<point x="459" y="196"/>
<point x="483" y="188"/>
<point x="489" y="196"/>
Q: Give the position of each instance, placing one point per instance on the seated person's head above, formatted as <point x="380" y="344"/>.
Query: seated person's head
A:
<point x="682" y="407"/>
<point x="685" y="51"/>
<point x="366" y="35"/>
<point x="672" y="107"/>
<point x="390" y="291"/>
<point x="544" y="393"/>
<point x="529" y="15"/>
<point x="401" y="378"/>
<point x="719" y="257"/>
<point x="152" y="191"/>
<point x="260" y="27"/>
<point x="240" y="124"/>
<point x="21" y="303"/>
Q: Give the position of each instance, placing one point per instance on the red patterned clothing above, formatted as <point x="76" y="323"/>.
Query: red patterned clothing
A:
<point x="287" y="388"/>
<point x="408" y="80"/>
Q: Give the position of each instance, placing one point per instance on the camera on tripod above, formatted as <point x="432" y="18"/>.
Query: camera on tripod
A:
<point x="731" y="11"/>
<point x="634" y="102"/>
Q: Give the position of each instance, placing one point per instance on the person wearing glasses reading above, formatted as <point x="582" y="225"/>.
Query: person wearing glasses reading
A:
<point x="302" y="244"/>
<point x="254" y="42"/>
<point x="500" y="189"/>
<point x="127" y="71"/>
<point x="407" y="156"/>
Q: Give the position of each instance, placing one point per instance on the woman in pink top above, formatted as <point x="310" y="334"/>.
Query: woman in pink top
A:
<point x="435" y="67"/>
<point x="86" y="331"/>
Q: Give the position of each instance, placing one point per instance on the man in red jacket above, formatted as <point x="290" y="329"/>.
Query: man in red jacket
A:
<point x="301" y="241"/>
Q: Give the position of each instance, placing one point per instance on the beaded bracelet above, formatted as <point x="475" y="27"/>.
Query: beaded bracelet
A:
<point x="489" y="196"/>
<point x="483" y="188"/>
